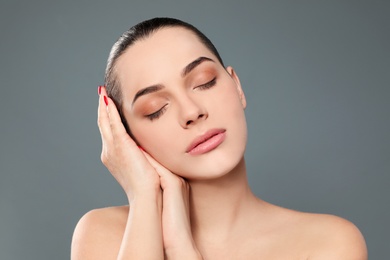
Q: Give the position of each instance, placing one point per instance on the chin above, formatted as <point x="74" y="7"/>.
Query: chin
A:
<point x="210" y="166"/>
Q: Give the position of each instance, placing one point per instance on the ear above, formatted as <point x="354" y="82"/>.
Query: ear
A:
<point x="234" y="76"/>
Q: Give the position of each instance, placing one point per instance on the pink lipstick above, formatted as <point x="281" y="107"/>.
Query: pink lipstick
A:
<point x="206" y="142"/>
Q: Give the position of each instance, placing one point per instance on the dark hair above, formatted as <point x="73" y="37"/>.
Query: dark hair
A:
<point x="138" y="32"/>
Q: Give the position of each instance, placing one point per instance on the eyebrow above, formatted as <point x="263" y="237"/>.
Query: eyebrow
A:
<point x="187" y="69"/>
<point x="193" y="65"/>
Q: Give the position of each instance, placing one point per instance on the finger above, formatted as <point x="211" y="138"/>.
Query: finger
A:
<point x="117" y="128"/>
<point x="167" y="178"/>
<point x="161" y="170"/>
<point x="103" y="120"/>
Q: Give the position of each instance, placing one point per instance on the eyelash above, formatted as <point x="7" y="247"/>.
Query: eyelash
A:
<point x="161" y="111"/>
<point x="157" y="114"/>
<point x="209" y="84"/>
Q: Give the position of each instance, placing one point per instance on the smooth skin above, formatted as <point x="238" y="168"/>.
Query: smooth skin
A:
<point x="192" y="207"/>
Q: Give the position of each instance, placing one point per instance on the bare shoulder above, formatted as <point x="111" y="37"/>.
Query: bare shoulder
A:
<point x="328" y="236"/>
<point x="98" y="233"/>
<point x="335" y="238"/>
<point x="302" y="235"/>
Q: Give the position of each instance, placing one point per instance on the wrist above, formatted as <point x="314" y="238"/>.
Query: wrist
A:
<point x="144" y="195"/>
<point x="187" y="252"/>
<point x="184" y="253"/>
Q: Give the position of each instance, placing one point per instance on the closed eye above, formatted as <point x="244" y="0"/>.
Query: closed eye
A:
<point x="157" y="114"/>
<point x="208" y="85"/>
<point x="160" y="112"/>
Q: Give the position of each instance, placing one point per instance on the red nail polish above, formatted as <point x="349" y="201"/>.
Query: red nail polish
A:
<point x="100" y="89"/>
<point x="106" y="100"/>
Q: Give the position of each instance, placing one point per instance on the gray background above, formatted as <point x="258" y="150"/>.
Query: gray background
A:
<point x="315" y="73"/>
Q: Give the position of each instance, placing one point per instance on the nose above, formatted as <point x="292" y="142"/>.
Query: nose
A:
<point x="191" y="113"/>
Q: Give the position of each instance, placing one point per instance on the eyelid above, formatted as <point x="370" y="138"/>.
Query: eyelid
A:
<point x="160" y="112"/>
<point x="157" y="114"/>
<point x="209" y="84"/>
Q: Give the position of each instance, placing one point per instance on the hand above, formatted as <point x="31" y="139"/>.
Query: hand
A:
<point x="138" y="173"/>
<point x="177" y="235"/>
<point x="121" y="155"/>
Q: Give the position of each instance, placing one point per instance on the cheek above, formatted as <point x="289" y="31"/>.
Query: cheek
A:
<point x="228" y="102"/>
<point x="156" y="140"/>
<point x="147" y="137"/>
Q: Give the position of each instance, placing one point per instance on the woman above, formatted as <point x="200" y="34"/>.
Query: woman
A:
<point x="173" y="130"/>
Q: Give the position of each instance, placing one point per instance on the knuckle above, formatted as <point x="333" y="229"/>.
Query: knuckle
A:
<point x="179" y="182"/>
<point x="102" y="158"/>
<point x="112" y="125"/>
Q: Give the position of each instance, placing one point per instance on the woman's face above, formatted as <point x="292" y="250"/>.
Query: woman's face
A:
<point x="177" y="95"/>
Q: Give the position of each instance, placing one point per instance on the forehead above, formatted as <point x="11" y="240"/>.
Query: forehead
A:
<point x="159" y="57"/>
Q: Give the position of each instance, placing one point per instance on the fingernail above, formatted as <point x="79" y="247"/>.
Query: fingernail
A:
<point x="99" y="90"/>
<point x="106" y="100"/>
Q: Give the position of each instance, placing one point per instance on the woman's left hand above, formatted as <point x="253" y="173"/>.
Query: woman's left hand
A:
<point x="177" y="235"/>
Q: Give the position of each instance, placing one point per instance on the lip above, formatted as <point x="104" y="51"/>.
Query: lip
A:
<point x="206" y="142"/>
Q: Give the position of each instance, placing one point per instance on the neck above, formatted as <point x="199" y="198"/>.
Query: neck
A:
<point x="220" y="205"/>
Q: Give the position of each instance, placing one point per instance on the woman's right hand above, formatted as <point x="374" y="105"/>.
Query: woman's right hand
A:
<point x="121" y="155"/>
